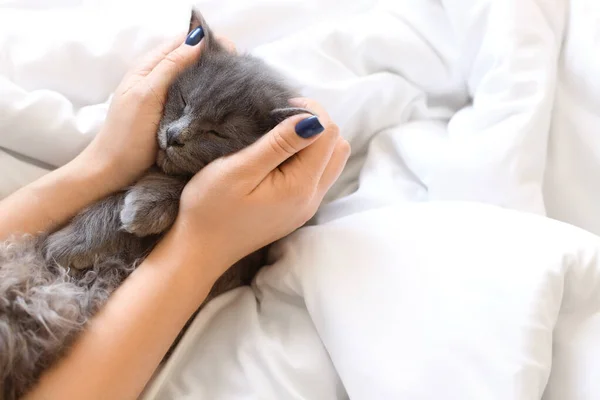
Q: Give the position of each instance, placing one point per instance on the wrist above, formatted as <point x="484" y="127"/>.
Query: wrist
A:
<point x="94" y="177"/>
<point x="190" y="262"/>
<point x="113" y="167"/>
<point x="100" y="165"/>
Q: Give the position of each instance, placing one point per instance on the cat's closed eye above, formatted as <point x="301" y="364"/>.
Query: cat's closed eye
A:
<point x="182" y="99"/>
<point x="215" y="133"/>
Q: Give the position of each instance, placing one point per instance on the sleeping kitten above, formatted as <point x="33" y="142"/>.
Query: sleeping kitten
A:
<point x="51" y="285"/>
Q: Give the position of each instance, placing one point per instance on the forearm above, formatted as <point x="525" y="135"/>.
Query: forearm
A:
<point x="125" y="342"/>
<point x="56" y="197"/>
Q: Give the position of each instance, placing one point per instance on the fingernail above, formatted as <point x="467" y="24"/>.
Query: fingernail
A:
<point x="195" y="36"/>
<point x="309" y="127"/>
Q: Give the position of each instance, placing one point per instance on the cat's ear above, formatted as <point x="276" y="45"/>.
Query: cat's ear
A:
<point x="279" y="114"/>
<point x="197" y="20"/>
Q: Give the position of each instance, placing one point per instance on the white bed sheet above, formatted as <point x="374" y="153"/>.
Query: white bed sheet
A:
<point x="442" y="100"/>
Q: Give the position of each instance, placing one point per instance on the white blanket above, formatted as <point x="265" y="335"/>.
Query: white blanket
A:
<point x="422" y="301"/>
<point x="471" y="100"/>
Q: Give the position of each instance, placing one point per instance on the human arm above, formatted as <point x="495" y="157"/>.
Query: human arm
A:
<point x="123" y="149"/>
<point x="53" y="199"/>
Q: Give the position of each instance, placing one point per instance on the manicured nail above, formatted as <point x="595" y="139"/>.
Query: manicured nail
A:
<point x="309" y="127"/>
<point x="195" y="36"/>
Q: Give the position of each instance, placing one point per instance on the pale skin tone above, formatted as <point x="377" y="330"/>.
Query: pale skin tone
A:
<point x="232" y="207"/>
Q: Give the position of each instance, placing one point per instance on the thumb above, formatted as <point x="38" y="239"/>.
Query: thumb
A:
<point x="176" y="61"/>
<point x="279" y="144"/>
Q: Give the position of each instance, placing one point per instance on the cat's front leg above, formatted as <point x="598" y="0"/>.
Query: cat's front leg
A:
<point x="151" y="205"/>
<point x="91" y="236"/>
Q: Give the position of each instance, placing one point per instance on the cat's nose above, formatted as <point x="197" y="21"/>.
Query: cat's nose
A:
<point x="174" y="137"/>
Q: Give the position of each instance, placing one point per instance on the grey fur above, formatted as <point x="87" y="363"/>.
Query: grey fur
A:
<point x="150" y="207"/>
<point x="51" y="285"/>
<point x="42" y="308"/>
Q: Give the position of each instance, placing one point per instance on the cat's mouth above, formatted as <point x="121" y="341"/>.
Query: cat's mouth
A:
<point x="161" y="157"/>
<point x="164" y="162"/>
<point x="170" y="163"/>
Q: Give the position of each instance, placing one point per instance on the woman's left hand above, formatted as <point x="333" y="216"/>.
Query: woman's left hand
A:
<point x="126" y="145"/>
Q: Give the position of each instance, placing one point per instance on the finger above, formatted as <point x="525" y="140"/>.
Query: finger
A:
<point x="311" y="161"/>
<point x="308" y="165"/>
<point x="173" y="64"/>
<point x="276" y="146"/>
<point x="334" y="168"/>
<point x="149" y="60"/>
<point x="228" y="44"/>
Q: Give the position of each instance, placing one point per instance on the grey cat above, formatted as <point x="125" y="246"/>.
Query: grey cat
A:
<point x="52" y="284"/>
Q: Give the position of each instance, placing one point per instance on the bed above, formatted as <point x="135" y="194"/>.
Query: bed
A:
<point x="457" y="257"/>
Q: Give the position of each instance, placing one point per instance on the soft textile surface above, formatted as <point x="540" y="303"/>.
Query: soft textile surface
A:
<point x="471" y="100"/>
<point x="421" y="301"/>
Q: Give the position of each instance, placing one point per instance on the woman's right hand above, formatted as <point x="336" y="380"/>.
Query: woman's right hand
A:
<point x="240" y="203"/>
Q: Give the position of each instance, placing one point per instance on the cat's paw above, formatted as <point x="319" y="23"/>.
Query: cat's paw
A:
<point x="68" y="249"/>
<point x="145" y="213"/>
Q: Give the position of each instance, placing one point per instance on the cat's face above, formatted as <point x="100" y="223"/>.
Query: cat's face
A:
<point x="220" y="105"/>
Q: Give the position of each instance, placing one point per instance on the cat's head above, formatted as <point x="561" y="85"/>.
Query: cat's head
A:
<point x="221" y="104"/>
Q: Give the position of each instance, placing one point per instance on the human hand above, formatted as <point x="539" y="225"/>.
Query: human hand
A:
<point x="242" y="202"/>
<point x="126" y="145"/>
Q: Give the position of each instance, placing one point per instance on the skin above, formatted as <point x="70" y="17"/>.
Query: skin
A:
<point x="231" y="208"/>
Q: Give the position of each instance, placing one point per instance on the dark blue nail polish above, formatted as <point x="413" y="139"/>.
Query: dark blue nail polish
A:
<point x="309" y="127"/>
<point x="195" y="36"/>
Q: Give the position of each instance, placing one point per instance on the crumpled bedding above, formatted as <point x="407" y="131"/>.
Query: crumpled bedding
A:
<point x="406" y="286"/>
<point x="439" y="300"/>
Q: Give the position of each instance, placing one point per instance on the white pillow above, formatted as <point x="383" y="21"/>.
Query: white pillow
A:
<point x="430" y="301"/>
